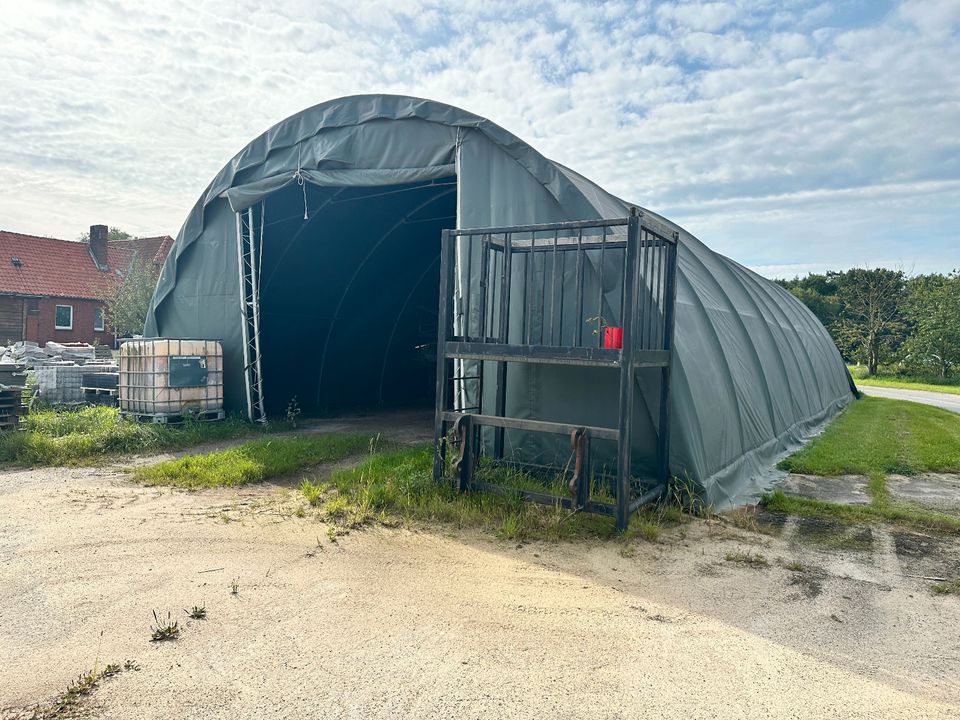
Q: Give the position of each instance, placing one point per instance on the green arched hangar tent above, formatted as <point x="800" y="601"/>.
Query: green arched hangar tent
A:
<point x="346" y="202"/>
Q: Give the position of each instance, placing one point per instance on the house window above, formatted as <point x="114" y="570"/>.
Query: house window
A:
<point x="64" y="318"/>
<point x="98" y="319"/>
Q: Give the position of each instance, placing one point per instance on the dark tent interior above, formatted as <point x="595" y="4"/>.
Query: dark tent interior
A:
<point x="348" y="296"/>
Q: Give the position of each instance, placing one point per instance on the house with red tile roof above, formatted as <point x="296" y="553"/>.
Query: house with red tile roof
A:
<point x="56" y="290"/>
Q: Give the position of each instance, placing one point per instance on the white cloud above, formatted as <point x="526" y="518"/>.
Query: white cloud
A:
<point x="709" y="17"/>
<point x="740" y="119"/>
<point x="934" y="17"/>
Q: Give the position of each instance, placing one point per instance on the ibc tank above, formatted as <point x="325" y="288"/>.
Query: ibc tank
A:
<point x="162" y="377"/>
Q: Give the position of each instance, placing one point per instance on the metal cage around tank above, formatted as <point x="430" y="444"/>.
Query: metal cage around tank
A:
<point x="524" y="294"/>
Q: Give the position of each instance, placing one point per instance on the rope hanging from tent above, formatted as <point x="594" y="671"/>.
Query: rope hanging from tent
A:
<point x="298" y="176"/>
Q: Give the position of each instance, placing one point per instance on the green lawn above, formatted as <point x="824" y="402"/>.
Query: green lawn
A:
<point x="87" y="435"/>
<point x="877" y="437"/>
<point x="905" y="382"/>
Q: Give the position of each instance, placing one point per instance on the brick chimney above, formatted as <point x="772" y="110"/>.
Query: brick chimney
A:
<point x="98" y="245"/>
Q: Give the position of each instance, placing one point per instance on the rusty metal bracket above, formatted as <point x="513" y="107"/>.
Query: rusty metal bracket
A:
<point x="463" y="465"/>
<point x="580" y="484"/>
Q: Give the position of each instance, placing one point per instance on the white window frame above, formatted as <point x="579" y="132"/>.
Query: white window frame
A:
<point x="98" y="314"/>
<point x="62" y="327"/>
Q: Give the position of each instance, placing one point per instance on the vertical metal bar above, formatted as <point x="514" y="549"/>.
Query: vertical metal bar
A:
<point x="563" y="270"/>
<point x="647" y="297"/>
<point x="623" y="294"/>
<point x="663" y="430"/>
<point x="501" y="399"/>
<point x="580" y="263"/>
<point x="443" y="333"/>
<point x="492" y="280"/>
<point x="507" y="281"/>
<point x="465" y="479"/>
<point x="475" y="369"/>
<point x="662" y="251"/>
<point x="543" y="295"/>
<point x="528" y="293"/>
<point x="465" y="286"/>
<point x="553" y="286"/>
<point x="496" y="322"/>
<point x="484" y="267"/>
<point x="661" y="292"/>
<point x="640" y="307"/>
<point x="600" y="321"/>
<point x="627" y="380"/>
<point x="241" y="267"/>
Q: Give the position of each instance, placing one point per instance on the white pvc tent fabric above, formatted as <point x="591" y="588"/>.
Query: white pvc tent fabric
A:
<point x="754" y="370"/>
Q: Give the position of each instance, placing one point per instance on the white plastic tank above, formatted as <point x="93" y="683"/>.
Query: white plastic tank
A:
<point x="165" y="376"/>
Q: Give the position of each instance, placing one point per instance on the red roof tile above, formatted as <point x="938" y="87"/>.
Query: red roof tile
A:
<point x="65" y="268"/>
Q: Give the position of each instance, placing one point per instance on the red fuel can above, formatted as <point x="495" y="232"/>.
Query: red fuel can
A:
<point x="613" y="338"/>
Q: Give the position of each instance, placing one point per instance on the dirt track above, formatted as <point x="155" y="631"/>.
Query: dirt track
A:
<point x="396" y="623"/>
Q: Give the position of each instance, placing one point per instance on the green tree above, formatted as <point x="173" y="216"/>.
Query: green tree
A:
<point x="819" y="293"/>
<point x="871" y="322"/>
<point x="932" y="307"/>
<point x="129" y="300"/>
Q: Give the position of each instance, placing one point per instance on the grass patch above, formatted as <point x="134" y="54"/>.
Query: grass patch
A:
<point x="753" y="560"/>
<point x="908" y="516"/>
<point x="251" y="462"/>
<point x="880" y="436"/>
<point x="930" y="383"/>
<point x="164" y="629"/>
<point x="67" y="703"/>
<point x="398" y="487"/>
<point x="948" y="587"/>
<point x="66" y="437"/>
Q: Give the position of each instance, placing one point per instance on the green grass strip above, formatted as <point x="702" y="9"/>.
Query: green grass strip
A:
<point x="909" y="516"/>
<point x="396" y="487"/>
<point x="87" y="435"/>
<point x="252" y="461"/>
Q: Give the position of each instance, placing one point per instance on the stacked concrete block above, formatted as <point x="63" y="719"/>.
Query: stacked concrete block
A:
<point x="61" y="384"/>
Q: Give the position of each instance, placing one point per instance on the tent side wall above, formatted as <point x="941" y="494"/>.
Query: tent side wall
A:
<point x="205" y="301"/>
<point x="756" y="374"/>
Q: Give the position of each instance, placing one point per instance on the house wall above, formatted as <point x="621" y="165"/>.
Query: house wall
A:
<point x="41" y="323"/>
<point x="12" y="319"/>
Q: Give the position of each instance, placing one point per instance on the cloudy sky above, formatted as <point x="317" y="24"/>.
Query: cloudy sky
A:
<point x="792" y="135"/>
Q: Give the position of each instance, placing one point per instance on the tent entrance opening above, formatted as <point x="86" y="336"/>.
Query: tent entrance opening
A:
<point x="348" y="280"/>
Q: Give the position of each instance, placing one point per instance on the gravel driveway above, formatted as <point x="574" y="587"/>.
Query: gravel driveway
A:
<point x="389" y="623"/>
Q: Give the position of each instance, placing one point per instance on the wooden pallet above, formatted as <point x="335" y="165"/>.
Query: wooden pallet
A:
<point x="12" y="408"/>
<point x="100" y="391"/>
<point x="173" y="418"/>
<point x="108" y="397"/>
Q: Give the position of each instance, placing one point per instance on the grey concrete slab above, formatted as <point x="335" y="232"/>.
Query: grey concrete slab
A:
<point x="939" y="491"/>
<point x="845" y="489"/>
